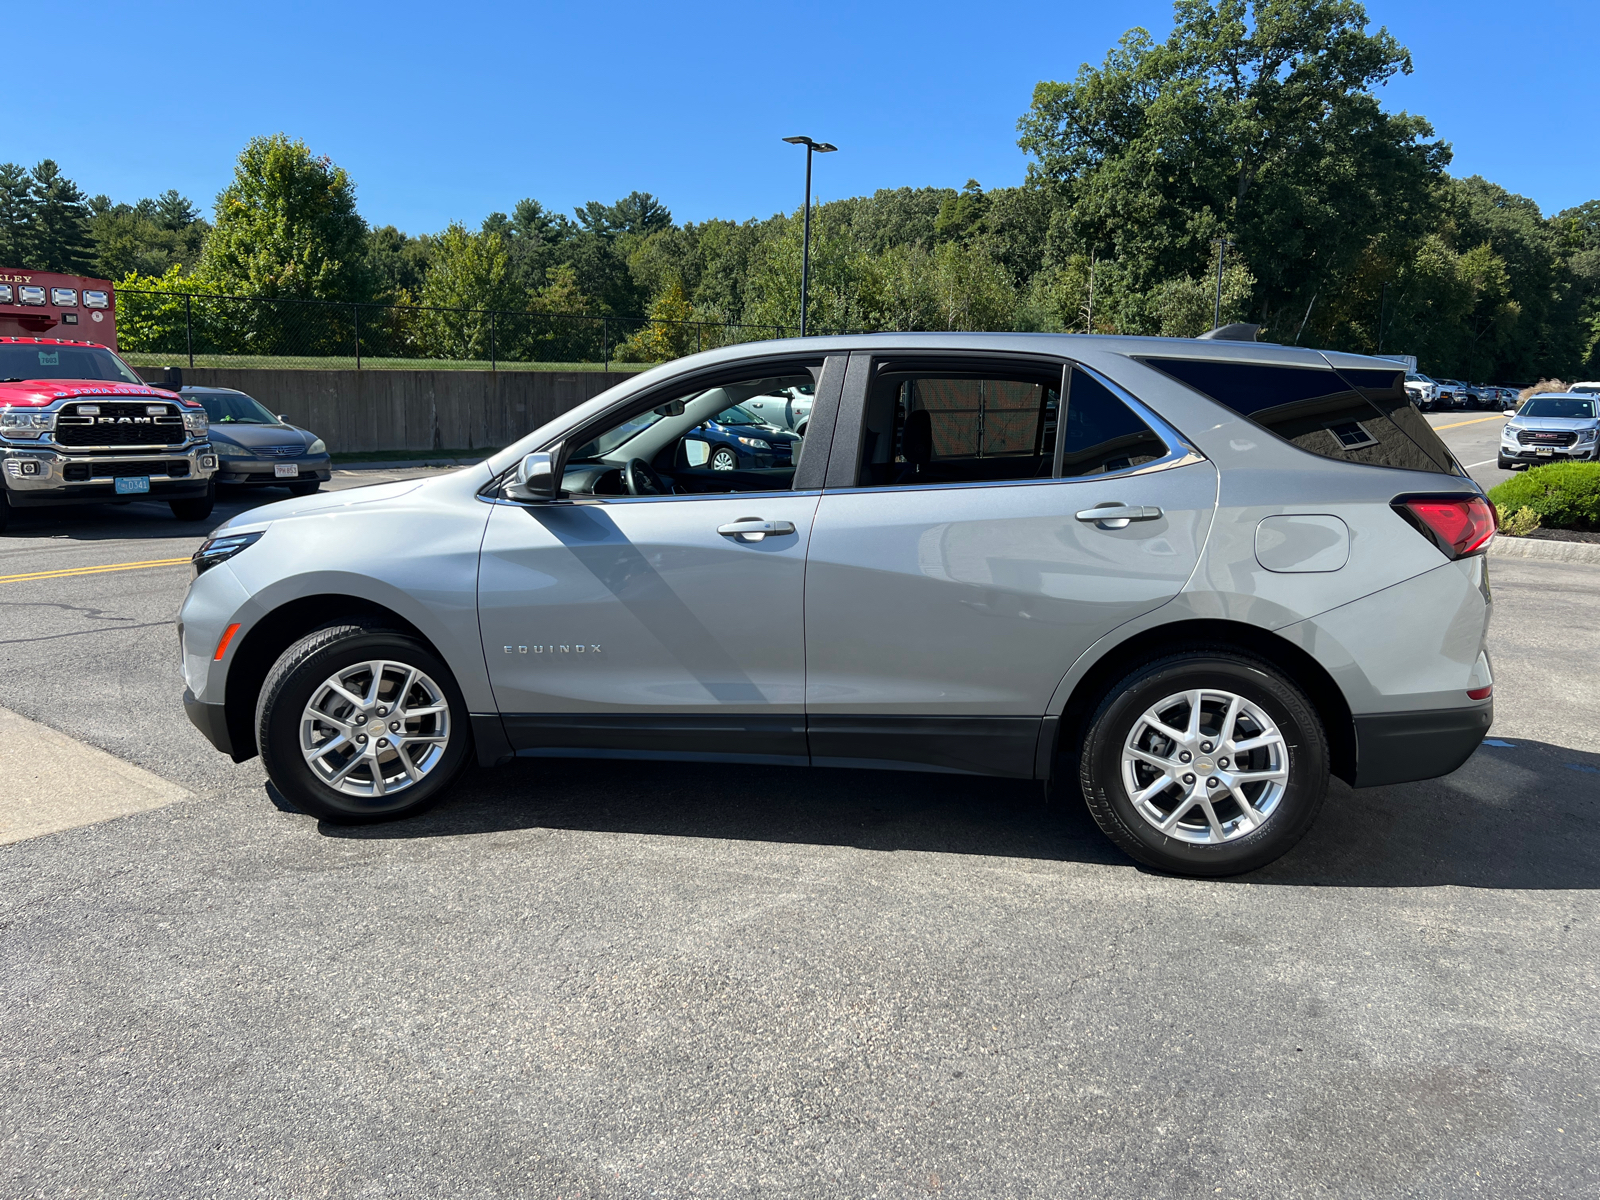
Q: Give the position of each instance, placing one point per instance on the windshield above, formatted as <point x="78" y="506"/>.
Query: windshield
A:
<point x="737" y="415"/>
<point x="234" y="410"/>
<point x="23" y="360"/>
<point x="1575" y="409"/>
<point x="626" y="432"/>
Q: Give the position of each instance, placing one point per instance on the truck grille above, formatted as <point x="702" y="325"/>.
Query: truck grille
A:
<point x="119" y="425"/>
<point x="1546" y="437"/>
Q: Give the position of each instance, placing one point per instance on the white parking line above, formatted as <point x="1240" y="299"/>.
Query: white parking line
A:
<point x="1484" y="463"/>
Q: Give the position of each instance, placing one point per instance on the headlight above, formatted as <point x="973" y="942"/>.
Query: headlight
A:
<point x="25" y="423"/>
<point x="317" y="447"/>
<point x="221" y="548"/>
<point x="756" y="443"/>
<point x="196" y="422"/>
<point x="1586" y="435"/>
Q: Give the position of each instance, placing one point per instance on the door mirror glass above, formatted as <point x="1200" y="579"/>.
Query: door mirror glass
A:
<point x="697" y="452"/>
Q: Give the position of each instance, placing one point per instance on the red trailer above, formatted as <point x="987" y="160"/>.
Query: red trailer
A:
<point x="44" y="304"/>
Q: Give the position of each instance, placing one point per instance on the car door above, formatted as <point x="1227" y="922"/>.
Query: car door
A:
<point x="652" y="625"/>
<point x="956" y="569"/>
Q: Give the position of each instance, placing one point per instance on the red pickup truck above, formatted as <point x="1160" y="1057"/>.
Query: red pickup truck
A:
<point x="78" y="426"/>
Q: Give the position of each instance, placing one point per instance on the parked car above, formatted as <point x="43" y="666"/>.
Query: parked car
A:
<point x="78" y="426"/>
<point x="1424" y="392"/>
<point x="1452" y="394"/>
<point x="1509" y="398"/>
<point x="1188" y="579"/>
<point x="257" y="449"/>
<point x="1550" y="426"/>
<point x="1587" y="385"/>
<point x="785" y="407"/>
<point x="738" y="439"/>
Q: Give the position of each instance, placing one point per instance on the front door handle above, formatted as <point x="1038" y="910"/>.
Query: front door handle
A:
<point x="1117" y="516"/>
<point x="753" y="529"/>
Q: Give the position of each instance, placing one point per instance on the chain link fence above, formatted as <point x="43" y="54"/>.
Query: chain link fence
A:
<point x="208" y="330"/>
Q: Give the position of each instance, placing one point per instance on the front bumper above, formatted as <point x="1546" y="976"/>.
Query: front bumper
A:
<point x="39" y="475"/>
<point x="210" y="719"/>
<point x="1406" y="746"/>
<point x="259" y="471"/>
<point x="1529" y="454"/>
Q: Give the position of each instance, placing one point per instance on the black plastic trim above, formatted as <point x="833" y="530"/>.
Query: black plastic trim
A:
<point x="713" y="737"/>
<point x="1004" y="746"/>
<point x="1406" y="746"/>
<point x="489" y="738"/>
<point x="210" y="719"/>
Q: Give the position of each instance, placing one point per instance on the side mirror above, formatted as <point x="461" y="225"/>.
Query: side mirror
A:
<point x="535" y="477"/>
<point x="283" y="419"/>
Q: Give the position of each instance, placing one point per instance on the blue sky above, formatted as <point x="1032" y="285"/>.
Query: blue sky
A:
<point x="448" y="112"/>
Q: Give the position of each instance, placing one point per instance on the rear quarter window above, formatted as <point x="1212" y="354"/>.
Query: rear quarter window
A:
<point x="1357" y="416"/>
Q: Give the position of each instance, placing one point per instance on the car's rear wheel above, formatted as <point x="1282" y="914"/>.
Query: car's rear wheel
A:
<point x="1206" y="762"/>
<point x="357" y="724"/>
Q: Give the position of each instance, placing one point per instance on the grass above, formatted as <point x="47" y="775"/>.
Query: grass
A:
<point x="361" y="456"/>
<point x="347" y="363"/>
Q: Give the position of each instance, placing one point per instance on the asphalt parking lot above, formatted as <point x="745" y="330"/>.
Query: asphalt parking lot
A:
<point x="613" y="979"/>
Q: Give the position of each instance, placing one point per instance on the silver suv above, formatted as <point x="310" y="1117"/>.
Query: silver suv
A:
<point x="1199" y="577"/>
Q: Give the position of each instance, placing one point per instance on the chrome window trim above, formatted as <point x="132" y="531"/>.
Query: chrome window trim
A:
<point x="1180" y="451"/>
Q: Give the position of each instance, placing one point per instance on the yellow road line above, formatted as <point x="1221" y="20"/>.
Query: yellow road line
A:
<point x="1474" y="421"/>
<point x="133" y="566"/>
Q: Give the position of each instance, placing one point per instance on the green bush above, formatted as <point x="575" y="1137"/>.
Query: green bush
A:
<point x="1562" y="495"/>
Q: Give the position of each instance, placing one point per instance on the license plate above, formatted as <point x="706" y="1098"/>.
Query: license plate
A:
<point x="1543" y="451"/>
<point x="286" y="470"/>
<point x="132" y="485"/>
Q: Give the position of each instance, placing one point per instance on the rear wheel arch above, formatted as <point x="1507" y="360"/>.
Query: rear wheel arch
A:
<point x="1148" y="645"/>
<point x="274" y="633"/>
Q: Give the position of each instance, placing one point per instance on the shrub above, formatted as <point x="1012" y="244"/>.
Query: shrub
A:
<point x="1520" y="523"/>
<point x="1544" y="385"/>
<point x="1561" y="496"/>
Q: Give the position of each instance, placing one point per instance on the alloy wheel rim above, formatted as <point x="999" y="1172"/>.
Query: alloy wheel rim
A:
<point x="1205" y="766"/>
<point x="374" y="729"/>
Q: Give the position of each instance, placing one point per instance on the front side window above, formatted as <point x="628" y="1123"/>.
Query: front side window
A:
<point x="21" y="361"/>
<point x="702" y="441"/>
<point x="1359" y="416"/>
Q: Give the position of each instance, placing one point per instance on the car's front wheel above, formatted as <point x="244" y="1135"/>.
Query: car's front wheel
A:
<point x="723" y="459"/>
<point x="1206" y="762"/>
<point x="197" y="509"/>
<point x="308" y="488"/>
<point x="357" y="723"/>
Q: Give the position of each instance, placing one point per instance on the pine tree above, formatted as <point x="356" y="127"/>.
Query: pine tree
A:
<point x="59" y="223"/>
<point x="16" y="209"/>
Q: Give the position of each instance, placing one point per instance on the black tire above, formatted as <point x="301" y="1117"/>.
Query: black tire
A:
<point x="300" y="672"/>
<point x="1224" y="669"/>
<point x="728" y="460"/>
<point x="197" y="509"/>
<point x="305" y="489"/>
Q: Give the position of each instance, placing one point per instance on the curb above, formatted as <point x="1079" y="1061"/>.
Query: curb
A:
<point x="1545" y="549"/>
<point x="400" y="464"/>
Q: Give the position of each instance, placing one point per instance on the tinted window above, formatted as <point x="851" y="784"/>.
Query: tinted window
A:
<point x="1103" y="433"/>
<point x="1361" y="416"/>
<point x="223" y="409"/>
<point x="946" y="426"/>
<point x="29" y="360"/>
<point x="1577" y="409"/>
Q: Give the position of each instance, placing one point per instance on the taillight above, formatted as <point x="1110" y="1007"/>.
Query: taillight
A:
<point x="1458" y="525"/>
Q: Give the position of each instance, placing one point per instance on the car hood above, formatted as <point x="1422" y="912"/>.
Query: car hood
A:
<point x="37" y="393"/>
<point x="1553" y="424"/>
<point x="253" y="436"/>
<point x="320" y="502"/>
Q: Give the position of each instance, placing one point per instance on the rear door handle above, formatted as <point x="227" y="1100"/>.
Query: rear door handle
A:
<point x="753" y="529"/>
<point x="1117" y="516"/>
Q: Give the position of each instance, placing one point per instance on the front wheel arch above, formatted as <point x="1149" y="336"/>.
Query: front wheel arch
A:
<point x="1148" y="645"/>
<point x="274" y="633"/>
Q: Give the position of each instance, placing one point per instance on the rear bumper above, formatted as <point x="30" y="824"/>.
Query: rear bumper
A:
<point x="1407" y="746"/>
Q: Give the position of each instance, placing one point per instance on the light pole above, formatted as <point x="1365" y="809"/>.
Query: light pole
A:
<point x="805" y="235"/>
<point x="1222" y="248"/>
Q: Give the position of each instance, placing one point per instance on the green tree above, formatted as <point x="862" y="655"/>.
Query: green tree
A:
<point x="1257" y="119"/>
<point x="469" y="277"/>
<point x="287" y="227"/>
<point x="58" y="223"/>
<point x="16" y="216"/>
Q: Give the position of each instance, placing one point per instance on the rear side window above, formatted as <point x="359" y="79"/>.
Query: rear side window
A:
<point x="1354" y="416"/>
<point x="1103" y="434"/>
